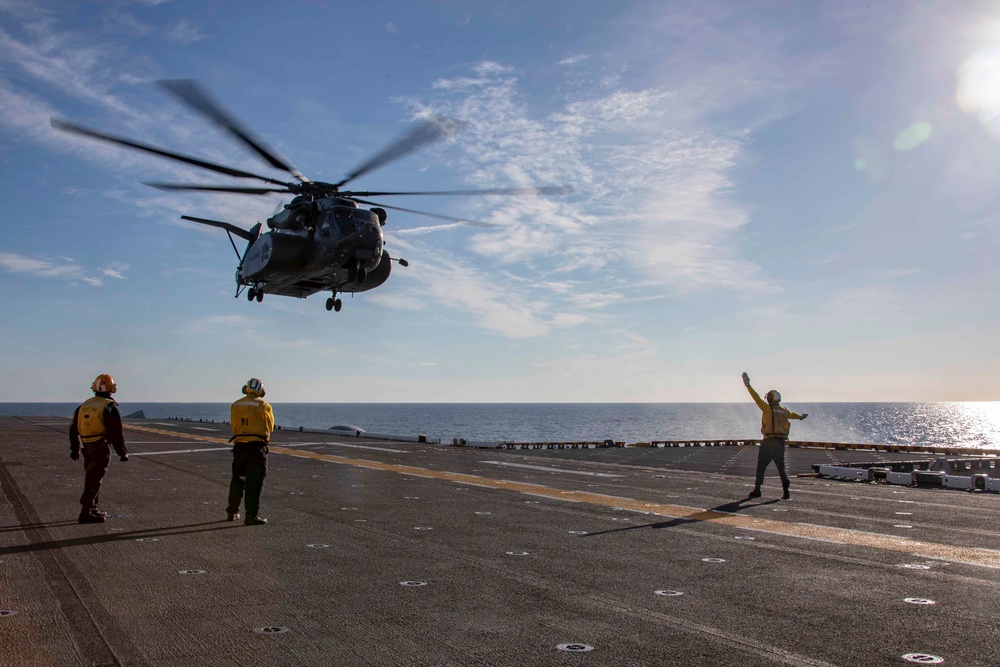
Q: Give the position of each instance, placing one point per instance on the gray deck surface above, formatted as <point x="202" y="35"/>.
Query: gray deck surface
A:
<point x="821" y="579"/>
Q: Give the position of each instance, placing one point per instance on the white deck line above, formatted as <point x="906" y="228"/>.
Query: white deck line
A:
<point x="555" y="470"/>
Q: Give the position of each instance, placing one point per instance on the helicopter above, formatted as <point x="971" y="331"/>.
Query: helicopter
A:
<point x="322" y="240"/>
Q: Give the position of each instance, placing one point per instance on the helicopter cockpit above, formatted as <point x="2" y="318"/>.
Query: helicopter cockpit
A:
<point x="337" y="219"/>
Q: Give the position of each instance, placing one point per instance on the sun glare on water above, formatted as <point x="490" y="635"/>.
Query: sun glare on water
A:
<point x="978" y="424"/>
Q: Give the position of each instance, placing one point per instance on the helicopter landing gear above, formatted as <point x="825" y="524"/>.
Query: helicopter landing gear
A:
<point x="334" y="304"/>
<point x="255" y="293"/>
<point x="359" y="274"/>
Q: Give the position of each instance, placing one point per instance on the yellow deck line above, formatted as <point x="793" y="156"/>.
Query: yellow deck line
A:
<point x="969" y="555"/>
<point x="176" y="434"/>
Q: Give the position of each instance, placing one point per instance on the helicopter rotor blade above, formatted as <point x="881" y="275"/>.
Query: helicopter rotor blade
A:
<point x="239" y="231"/>
<point x="194" y="96"/>
<point x="216" y="188"/>
<point x="468" y="221"/>
<point x="94" y="134"/>
<point x="550" y="190"/>
<point x="425" y="133"/>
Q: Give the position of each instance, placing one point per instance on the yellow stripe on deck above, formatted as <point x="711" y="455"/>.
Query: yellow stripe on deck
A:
<point x="176" y="434"/>
<point x="968" y="555"/>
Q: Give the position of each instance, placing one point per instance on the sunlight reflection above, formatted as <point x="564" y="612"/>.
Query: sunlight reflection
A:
<point x="980" y="424"/>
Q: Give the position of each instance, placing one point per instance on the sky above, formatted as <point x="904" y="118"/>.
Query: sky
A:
<point x="803" y="191"/>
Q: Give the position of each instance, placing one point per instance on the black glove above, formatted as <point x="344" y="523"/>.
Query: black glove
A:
<point x="75" y="456"/>
<point x="746" y="380"/>
<point x="124" y="457"/>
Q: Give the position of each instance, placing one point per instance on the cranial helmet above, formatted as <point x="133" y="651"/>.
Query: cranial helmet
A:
<point x="104" y="384"/>
<point x="773" y="397"/>
<point x="253" y="387"/>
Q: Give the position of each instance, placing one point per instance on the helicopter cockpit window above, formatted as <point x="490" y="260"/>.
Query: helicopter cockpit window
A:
<point x="347" y="218"/>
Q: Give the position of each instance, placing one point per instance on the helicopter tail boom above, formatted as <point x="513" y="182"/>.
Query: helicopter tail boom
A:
<point x="233" y="229"/>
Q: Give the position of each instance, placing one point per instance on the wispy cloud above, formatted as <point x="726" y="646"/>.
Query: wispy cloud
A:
<point x="184" y="32"/>
<point x="68" y="63"/>
<point x="430" y="228"/>
<point x="653" y="200"/>
<point x="65" y="61"/>
<point x="126" y="23"/>
<point x="54" y="267"/>
<point x="116" y="272"/>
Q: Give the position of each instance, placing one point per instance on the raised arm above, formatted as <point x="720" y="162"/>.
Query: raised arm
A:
<point x="756" y="397"/>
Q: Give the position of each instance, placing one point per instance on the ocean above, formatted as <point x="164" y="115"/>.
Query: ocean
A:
<point x="937" y="424"/>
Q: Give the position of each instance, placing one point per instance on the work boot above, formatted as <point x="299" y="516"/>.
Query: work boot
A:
<point x="255" y="521"/>
<point x="232" y="516"/>
<point x="754" y="494"/>
<point x="87" y="517"/>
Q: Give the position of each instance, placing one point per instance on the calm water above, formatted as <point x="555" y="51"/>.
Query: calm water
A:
<point x="954" y="424"/>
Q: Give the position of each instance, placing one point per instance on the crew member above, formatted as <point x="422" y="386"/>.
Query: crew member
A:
<point x="774" y="426"/>
<point x="98" y="424"/>
<point x="252" y="421"/>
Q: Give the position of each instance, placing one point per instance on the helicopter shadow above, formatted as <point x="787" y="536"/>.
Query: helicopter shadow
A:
<point x="711" y="514"/>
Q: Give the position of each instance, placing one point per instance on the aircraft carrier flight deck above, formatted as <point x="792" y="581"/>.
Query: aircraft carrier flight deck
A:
<point x="380" y="552"/>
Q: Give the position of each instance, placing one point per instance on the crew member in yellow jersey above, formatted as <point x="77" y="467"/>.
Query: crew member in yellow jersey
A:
<point x="252" y="421"/>
<point x="98" y="425"/>
<point x="774" y="426"/>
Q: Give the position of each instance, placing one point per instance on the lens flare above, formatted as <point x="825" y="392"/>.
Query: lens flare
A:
<point x="978" y="90"/>
<point x="913" y="136"/>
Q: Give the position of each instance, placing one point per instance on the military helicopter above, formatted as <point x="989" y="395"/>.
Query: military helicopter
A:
<point x="322" y="240"/>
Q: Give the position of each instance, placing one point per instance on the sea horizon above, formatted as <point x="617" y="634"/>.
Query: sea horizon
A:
<point x="974" y="424"/>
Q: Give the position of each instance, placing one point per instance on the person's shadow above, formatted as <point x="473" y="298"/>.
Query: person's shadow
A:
<point x="165" y="531"/>
<point x="731" y="507"/>
<point x="34" y="526"/>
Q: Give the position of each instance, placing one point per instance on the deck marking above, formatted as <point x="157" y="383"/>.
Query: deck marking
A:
<point x="344" y="444"/>
<point x="549" y="496"/>
<point x="156" y="442"/>
<point x="966" y="555"/>
<point x="176" y="434"/>
<point x="182" y="451"/>
<point x="555" y="470"/>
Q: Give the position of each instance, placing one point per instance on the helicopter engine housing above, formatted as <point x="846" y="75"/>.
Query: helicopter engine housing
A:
<point x="297" y="215"/>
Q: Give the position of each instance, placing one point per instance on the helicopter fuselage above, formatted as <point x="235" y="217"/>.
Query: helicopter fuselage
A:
<point x="327" y="244"/>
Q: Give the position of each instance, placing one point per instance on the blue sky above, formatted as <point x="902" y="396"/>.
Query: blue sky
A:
<point x="804" y="191"/>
